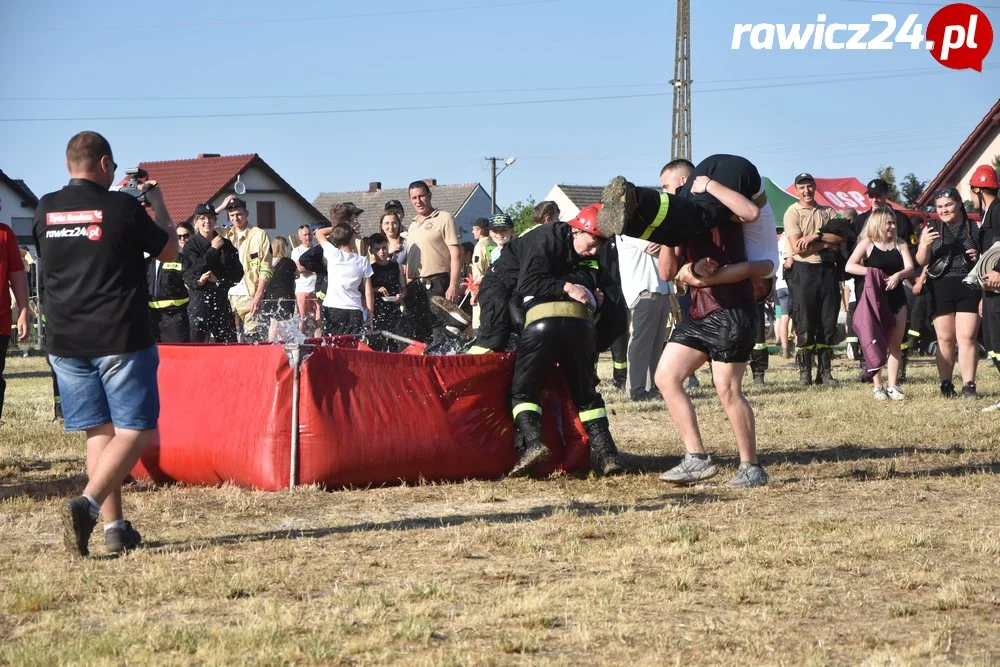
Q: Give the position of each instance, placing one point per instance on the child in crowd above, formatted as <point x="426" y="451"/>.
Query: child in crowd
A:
<point x="348" y="274"/>
<point x="388" y="286"/>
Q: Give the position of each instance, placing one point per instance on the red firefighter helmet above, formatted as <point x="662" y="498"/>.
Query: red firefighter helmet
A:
<point x="984" y="176"/>
<point x="587" y="220"/>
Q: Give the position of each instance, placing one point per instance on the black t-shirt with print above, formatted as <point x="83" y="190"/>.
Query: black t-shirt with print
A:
<point x="91" y="243"/>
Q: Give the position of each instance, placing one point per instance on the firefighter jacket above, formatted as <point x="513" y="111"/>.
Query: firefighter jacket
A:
<point x="165" y="281"/>
<point x="254" y="246"/>
<point x="224" y="263"/>
<point x="537" y="264"/>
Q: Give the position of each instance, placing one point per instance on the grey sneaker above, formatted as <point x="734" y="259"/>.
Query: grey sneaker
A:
<point x="748" y="476"/>
<point x="895" y="394"/>
<point x="120" y="540"/>
<point x="992" y="408"/>
<point x="691" y="469"/>
<point x="879" y="394"/>
<point x="77" y="526"/>
<point x="618" y="205"/>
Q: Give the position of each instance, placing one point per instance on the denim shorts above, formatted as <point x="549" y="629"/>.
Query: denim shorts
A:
<point x="119" y="389"/>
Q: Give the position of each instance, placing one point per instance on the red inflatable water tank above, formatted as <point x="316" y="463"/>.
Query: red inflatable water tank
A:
<point x="364" y="417"/>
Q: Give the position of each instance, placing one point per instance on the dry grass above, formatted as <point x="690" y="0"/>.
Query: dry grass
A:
<point x="877" y="543"/>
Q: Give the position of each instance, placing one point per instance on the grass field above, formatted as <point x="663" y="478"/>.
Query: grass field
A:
<point x="877" y="542"/>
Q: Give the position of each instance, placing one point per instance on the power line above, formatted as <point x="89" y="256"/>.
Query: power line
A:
<point x="791" y="79"/>
<point x="306" y="19"/>
<point x="431" y="107"/>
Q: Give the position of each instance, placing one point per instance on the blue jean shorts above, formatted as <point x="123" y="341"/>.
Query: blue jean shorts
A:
<point x="119" y="389"/>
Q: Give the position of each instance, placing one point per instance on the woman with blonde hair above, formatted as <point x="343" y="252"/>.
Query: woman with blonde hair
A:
<point x="279" y="299"/>
<point x="879" y="248"/>
<point x="948" y="250"/>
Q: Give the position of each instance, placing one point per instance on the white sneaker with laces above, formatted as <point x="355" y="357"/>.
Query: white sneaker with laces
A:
<point x="879" y="394"/>
<point x="895" y="394"/>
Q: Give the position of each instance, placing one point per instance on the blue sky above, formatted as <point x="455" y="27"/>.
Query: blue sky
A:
<point x="493" y="70"/>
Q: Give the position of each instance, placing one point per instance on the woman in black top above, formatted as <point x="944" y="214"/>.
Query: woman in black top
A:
<point x="954" y="305"/>
<point x="879" y="248"/>
<point x="279" y="299"/>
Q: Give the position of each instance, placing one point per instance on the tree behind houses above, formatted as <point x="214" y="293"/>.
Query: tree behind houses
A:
<point x="888" y="174"/>
<point x="911" y="190"/>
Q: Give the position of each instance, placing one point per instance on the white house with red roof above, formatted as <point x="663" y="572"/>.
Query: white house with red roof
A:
<point x="272" y="203"/>
<point x="982" y="146"/>
<point x="17" y="208"/>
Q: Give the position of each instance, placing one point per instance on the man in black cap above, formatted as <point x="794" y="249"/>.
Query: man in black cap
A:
<point x="878" y="195"/>
<point x="815" y="282"/>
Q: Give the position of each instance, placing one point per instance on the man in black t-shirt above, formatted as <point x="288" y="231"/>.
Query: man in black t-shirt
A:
<point x="91" y="242"/>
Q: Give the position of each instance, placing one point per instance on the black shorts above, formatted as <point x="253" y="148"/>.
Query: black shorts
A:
<point x="726" y="335"/>
<point x="951" y="295"/>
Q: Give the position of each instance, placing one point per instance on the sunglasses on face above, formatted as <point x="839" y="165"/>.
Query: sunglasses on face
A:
<point x="950" y="193"/>
<point x="183" y="237"/>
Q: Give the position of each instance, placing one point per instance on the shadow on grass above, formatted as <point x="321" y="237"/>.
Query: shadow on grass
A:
<point x="851" y="452"/>
<point x="27" y="375"/>
<point x="577" y="508"/>
<point x="890" y="472"/>
<point x="55" y="486"/>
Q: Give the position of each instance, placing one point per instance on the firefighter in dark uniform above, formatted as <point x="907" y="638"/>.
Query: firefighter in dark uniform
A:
<point x="556" y="276"/>
<point x="986" y="186"/>
<point x="212" y="266"/>
<point x="168" y="300"/>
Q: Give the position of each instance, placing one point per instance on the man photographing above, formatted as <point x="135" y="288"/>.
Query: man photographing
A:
<point x="100" y="345"/>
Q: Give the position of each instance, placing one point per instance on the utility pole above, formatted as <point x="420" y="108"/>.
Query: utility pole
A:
<point x="493" y="177"/>
<point x="493" y="183"/>
<point x="680" y="141"/>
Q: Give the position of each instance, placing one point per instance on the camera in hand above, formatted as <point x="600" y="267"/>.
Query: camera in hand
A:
<point x="136" y="175"/>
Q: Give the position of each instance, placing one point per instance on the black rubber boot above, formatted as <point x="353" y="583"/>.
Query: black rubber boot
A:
<point x="823" y="370"/>
<point x="904" y="360"/>
<point x="528" y="441"/>
<point x="804" y="360"/>
<point x="604" y="458"/>
<point x="619" y="377"/>
<point x="625" y="204"/>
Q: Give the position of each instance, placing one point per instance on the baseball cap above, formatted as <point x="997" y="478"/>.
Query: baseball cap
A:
<point x="236" y="203"/>
<point x="204" y="209"/>
<point x="501" y="221"/>
<point x="393" y="205"/>
<point x="877" y="186"/>
<point x="482" y="223"/>
<point x="805" y="177"/>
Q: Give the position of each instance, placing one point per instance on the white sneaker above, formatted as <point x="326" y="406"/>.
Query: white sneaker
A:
<point x="895" y="394"/>
<point x="879" y="394"/>
<point x="992" y="408"/>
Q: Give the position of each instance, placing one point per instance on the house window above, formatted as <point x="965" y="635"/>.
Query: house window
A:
<point x="22" y="230"/>
<point x="265" y="214"/>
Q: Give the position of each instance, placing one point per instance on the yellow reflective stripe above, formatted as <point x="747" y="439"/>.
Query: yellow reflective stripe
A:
<point x="911" y="332"/>
<point x="589" y="263"/>
<point x="661" y="215"/>
<point x="904" y="345"/>
<point x="591" y="415"/>
<point x="169" y="303"/>
<point x="619" y="365"/>
<point x="524" y="407"/>
<point x="265" y="270"/>
<point x="171" y="266"/>
<point x="851" y="339"/>
<point x="760" y="346"/>
<point x="993" y="355"/>
<point x="477" y="349"/>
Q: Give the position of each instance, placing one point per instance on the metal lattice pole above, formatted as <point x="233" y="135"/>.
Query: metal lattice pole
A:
<point x="680" y="141"/>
